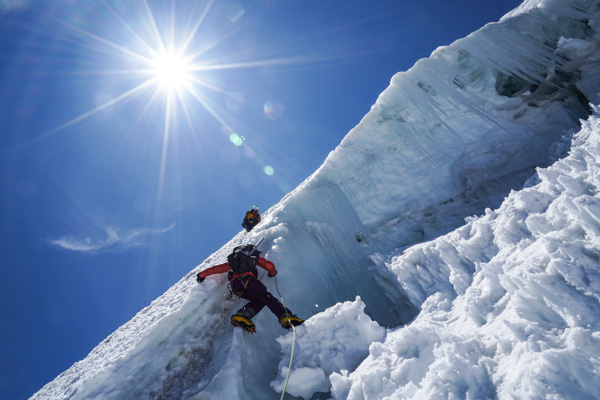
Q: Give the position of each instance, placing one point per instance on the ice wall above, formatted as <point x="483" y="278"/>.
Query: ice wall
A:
<point x="467" y="123"/>
<point x="449" y="137"/>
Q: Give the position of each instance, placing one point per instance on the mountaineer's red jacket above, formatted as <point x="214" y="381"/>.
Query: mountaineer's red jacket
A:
<point x="219" y="269"/>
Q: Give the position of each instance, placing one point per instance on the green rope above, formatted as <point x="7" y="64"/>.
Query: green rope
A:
<point x="293" y="342"/>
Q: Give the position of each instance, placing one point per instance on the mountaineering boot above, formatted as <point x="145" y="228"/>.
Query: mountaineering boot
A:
<point x="289" y="320"/>
<point x="243" y="322"/>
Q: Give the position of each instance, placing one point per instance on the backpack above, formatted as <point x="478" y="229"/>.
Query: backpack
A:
<point x="244" y="259"/>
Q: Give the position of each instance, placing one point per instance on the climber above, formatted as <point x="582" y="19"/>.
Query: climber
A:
<point x="241" y="265"/>
<point x="251" y="219"/>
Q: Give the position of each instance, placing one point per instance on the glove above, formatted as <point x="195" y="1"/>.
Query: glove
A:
<point x="199" y="279"/>
<point x="273" y="273"/>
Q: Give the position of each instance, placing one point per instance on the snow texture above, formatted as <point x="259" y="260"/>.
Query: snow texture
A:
<point x="448" y="248"/>
<point x="334" y="340"/>
<point x="509" y="302"/>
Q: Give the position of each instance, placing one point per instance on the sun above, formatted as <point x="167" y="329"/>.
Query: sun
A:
<point x="171" y="55"/>
<point x="171" y="70"/>
<point x="170" y="58"/>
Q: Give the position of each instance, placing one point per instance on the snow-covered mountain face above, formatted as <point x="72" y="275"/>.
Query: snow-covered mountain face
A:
<point x="509" y="302"/>
<point x="404" y="298"/>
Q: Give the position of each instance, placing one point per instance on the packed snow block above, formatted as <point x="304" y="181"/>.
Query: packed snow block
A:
<point x="415" y="356"/>
<point x="335" y="340"/>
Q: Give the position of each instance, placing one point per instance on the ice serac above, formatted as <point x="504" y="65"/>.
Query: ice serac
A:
<point x="448" y="138"/>
<point x="461" y="128"/>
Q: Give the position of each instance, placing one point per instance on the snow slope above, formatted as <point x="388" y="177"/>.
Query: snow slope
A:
<point x="509" y="303"/>
<point x="505" y="306"/>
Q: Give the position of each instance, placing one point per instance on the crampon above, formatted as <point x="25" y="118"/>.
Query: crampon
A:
<point x="243" y="322"/>
<point x="289" y="320"/>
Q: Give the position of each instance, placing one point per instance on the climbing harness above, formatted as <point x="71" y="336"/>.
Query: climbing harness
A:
<point x="293" y="341"/>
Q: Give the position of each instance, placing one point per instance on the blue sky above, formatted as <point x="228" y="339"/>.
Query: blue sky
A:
<point x="118" y="178"/>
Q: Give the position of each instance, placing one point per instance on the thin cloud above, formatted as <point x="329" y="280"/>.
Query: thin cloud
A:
<point x="114" y="240"/>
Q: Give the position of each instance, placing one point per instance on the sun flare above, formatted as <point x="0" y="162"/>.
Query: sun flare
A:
<point x="171" y="70"/>
<point x="169" y="59"/>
